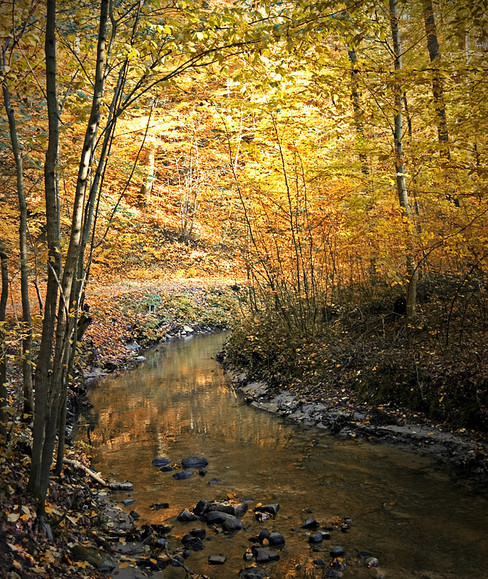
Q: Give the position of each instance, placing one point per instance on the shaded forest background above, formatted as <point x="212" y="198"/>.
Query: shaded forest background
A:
<point x="329" y="160"/>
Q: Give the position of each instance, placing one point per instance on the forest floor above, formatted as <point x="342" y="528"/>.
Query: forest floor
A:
<point x="91" y="535"/>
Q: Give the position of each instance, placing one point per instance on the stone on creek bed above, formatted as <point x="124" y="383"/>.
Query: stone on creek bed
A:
<point x="216" y="517"/>
<point x="235" y="508"/>
<point x="253" y="573"/>
<point x="229" y="522"/>
<point x="271" y="509"/>
<point x="276" y="539"/>
<point x="193" y="543"/>
<point x="187" y="516"/>
<point x="182" y="474"/>
<point x="232" y="524"/>
<point x="337" y="551"/>
<point x="263" y="555"/>
<point x="96" y="557"/>
<point x="159" y="506"/>
<point x="161" y="461"/>
<point x="273" y="539"/>
<point x="194" y="462"/>
<point x="217" y="559"/>
<point x="318" y="537"/>
<point x="232" y="508"/>
<point x="311" y="524"/>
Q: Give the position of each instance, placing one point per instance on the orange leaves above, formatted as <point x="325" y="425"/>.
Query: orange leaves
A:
<point x="20" y="513"/>
<point x="77" y="564"/>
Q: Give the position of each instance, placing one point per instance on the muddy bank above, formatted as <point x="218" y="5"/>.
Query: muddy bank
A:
<point x="344" y="417"/>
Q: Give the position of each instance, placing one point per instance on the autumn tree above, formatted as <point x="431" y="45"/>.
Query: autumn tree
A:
<point x="398" y="133"/>
<point x="19" y="25"/>
<point x="133" y="67"/>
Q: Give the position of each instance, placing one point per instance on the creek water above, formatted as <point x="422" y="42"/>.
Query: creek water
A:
<point x="411" y="514"/>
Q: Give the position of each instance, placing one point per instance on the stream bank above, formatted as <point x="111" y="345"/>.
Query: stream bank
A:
<point x="341" y="414"/>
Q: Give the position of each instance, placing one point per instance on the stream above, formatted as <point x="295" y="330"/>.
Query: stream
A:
<point x="407" y="511"/>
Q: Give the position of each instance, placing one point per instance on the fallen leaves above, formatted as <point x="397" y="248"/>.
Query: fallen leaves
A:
<point x="24" y="549"/>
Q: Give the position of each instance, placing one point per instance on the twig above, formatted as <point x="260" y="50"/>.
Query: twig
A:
<point x="119" y="486"/>
<point x="179" y="563"/>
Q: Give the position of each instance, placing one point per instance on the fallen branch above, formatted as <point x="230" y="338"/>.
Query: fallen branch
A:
<point x="116" y="486"/>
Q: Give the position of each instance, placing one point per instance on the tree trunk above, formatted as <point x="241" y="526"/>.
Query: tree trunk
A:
<point x="3" y="364"/>
<point x="38" y="481"/>
<point x="66" y="339"/>
<point x="437" y="84"/>
<point x="401" y="181"/>
<point x="147" y="185"/>
<point x="24" y="269"/>
<point x="69" y="302"/>
<point x="358" y="113"/>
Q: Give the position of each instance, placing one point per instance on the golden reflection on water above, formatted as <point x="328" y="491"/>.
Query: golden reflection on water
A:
<point x="139" y="403"/>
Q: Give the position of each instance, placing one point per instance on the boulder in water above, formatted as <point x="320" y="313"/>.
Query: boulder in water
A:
<point x="271" y="509"/>
<point x="263" y="555"/>
<point x="187" y="516"/>
<point x="337" y="551"/>
<point x="311" y="524"/>
<point x="232" y="524"/>
<point x="231" y="507"/>
<point x="276" y="539"/>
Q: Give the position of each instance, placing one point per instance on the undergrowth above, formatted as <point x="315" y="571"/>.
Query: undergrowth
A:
<point x="435" y="364"/>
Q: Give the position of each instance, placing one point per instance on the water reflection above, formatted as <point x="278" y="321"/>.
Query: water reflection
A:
<point x="406" y="511"/>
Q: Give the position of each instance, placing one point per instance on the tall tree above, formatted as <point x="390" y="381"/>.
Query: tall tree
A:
<point x="44" y="399"/>
<point x="401" y="181"/>
<point x="356" y="104"/>
<point x="24" y="268"/>
<point x="17" y="28"/>
<point x="51" y="380"/>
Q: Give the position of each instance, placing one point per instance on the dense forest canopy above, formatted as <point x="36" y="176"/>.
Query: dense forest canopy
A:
<point x="281" y="108"/>
<point x="331" y="154"/>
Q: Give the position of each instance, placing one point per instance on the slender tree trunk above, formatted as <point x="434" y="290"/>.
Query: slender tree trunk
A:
<point x="3" y="364"/>
<point x="38" y="481"/>
<point x="148" y="183"/>
<point x="437" y="84"/>
<point x="399" y="161"/>
<point x="24" y="269"/>
<point x="358" y="113"/>
<point x="438" y="95"/>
